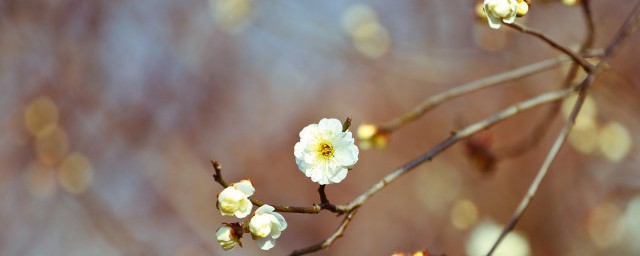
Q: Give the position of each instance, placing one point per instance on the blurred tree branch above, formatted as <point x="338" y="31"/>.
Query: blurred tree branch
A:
<point x="630" y="25"/>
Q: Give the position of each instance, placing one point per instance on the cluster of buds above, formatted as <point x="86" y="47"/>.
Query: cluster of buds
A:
<point x="265" y="225"/>
<point x="325" y="153"/>
<point x="498" y="11"/>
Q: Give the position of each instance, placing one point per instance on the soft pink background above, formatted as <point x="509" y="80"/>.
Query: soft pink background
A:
<point x="150" y="91"/>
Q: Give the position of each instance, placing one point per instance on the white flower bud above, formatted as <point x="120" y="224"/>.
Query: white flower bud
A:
<point x="266" y="226"/>
<point x="499" y="11"/>
<point x="227" y="237"/>
<point x="234" y="200"/>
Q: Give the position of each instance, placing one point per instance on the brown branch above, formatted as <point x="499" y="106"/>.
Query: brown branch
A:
<point x="545" y="166"/>
<point x="455" y="137"/>
<point x="315" y="209"/>
<point x="346" y="124"/>
<point x="323" y="196"/>
<point x="629" y="26"/>
<point x="486" y="123"/>
<point x="329" y="240"/>
<point x="476" y="85"/>
<point x="542" y="127"/>
<point x="573" y="55"/>
<point x="352" y="207"/>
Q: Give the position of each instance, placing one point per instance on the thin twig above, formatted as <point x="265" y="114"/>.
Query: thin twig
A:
<point x="544" y="169"/>
<point x="455" y="137"/>
<point x="542" y="127"/>
<point x="329" y="240"/>
<point x="574" y="56"/>
<point x="346" y="124"/>
<point x="486" y="123"/>
<point x="629" y="26"/>
<point x="476" y="85"/>
<point x="323" y="196"/>
<point x="315" y="209"/>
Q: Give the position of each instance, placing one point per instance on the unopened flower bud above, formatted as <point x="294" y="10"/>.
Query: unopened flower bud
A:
<point x="234" y="200"/>
<point x="266" y="226"/>
<point x="228" y="235"/>
<point x="523" y="8"/>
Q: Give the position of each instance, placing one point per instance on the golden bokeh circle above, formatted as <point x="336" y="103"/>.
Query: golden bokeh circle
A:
<point x="76" y="173"/>
<point x="39" y="114"/>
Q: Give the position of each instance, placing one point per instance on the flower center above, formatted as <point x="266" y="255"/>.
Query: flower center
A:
<point x="325" y="150"/>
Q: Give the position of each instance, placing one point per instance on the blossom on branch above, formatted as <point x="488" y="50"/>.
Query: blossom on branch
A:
<point x="266" y="226"/>
<point x="325" y="153"/>
<point x="234" y="200"/>
<point x="228" y="235"/>
<point x="499" y="11"/>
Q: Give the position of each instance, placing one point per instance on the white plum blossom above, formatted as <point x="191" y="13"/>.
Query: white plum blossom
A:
<point x="234" y="200"/>
<point x="265" y="226"/>
<point x="325" y="153"/>
<point x="228" y="237"/>
<point x="500" y="10"/>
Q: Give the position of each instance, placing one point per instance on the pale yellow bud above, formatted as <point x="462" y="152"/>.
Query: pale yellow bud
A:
<point x="523" y="9"/>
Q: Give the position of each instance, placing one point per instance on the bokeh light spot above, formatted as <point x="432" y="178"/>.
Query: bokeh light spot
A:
<point x="615" y="141"/>
<point x="588" y="112"/>
<point x="603" y="225"/>
<point x="485" y="234"/>
<point x="464" y="214"/>
<point x="76" y="173"/>
<point x="584" y="138"/>
<point x="232" y="15"/>
<point x="39" y="114"/>
<point x="438" y="187"/>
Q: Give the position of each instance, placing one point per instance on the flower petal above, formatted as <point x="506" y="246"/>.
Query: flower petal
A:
<point x="509" y="20"/>
<point x="245" y="209"/>
<point x="340" y="175"/>
<point x="344" y="156"/>
<point x="265" y="243"/>
<point x="298" y="149"/>
<point x="494" y="22"/>
<point x="275" y="230"/>
<point x="330" y="125"/>
<point x="281" y="221"/>
<point x="245" y="186"/>
<point x="265" y="209"/>
<point x="308" y="132"/>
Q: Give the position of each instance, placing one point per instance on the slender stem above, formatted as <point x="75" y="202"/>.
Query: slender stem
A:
<point x="346" y="124"/>
<point x="315" y="209"/>
<point x="542" y="127"/>
<point x="629" y="26"/>
<point x="545" y="167"/>
<point x="323" y="196"/>
<point x="573" y="55"/>
<point x="329" y="240"/>
<point x="476" y="85"/>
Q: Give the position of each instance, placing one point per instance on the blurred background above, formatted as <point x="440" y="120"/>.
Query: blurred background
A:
<point x="112" y="110"/>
